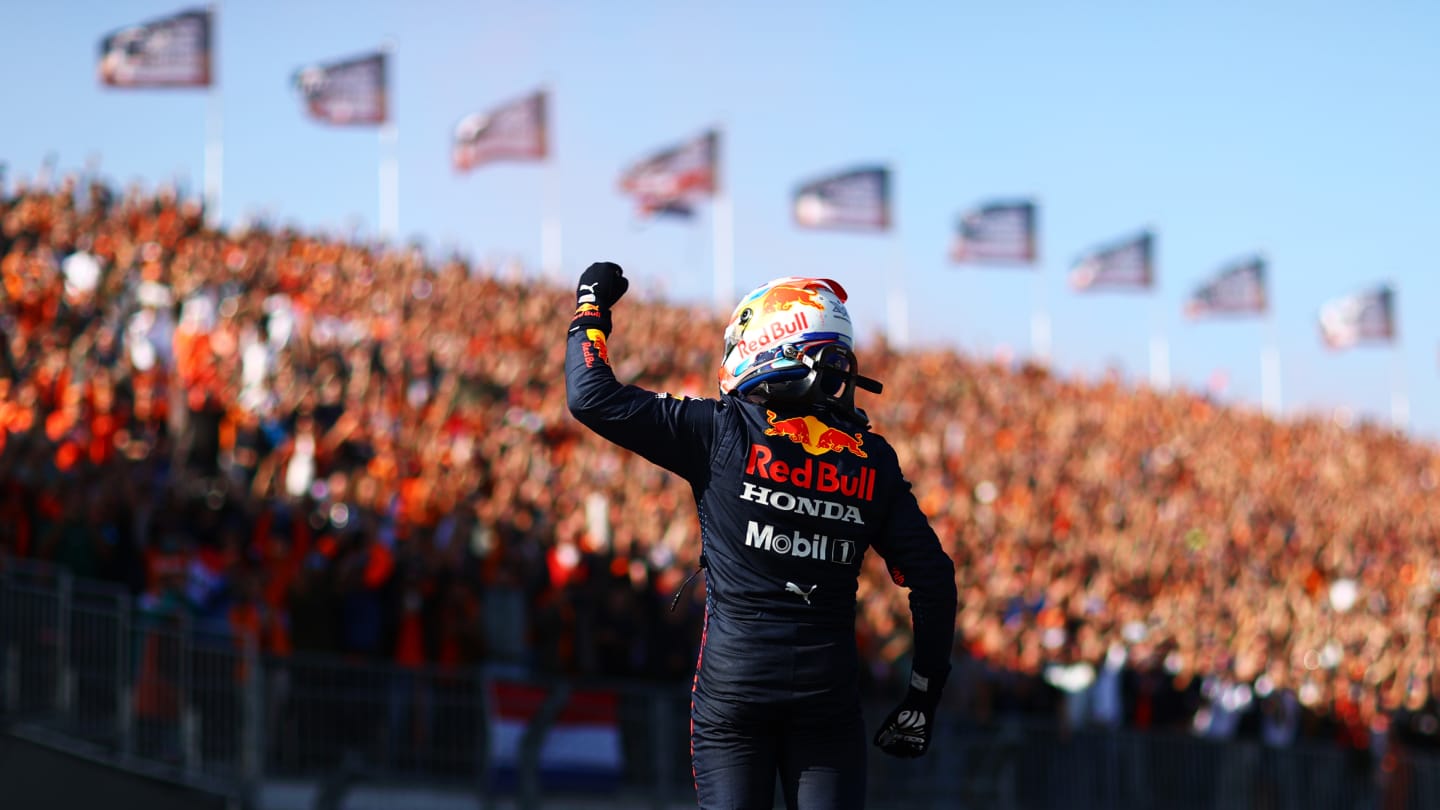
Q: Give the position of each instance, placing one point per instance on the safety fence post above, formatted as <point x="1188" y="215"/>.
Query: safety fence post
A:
<point x="65" y="679"/>
<point x="252" y="730"/>
<point x="124" y="684"/>
<point x="10" y="686"/>
<point x="185" y="683"/>
<point x="660" y="752"/>
<point x="482" y="751"/>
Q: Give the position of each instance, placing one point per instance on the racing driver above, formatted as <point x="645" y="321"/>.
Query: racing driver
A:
<point x="791" y="488"/>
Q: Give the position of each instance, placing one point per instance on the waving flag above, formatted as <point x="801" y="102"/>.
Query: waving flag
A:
<point x="170" y="52"/>
<point x="857" y="199"/>
<point x="346" y="93"/>
<point x="673" y="180"/>
<point x="997" y="232"/>
<point x="513" y="131"/>
<point x="1238" y="289"/>
<point x="1367" y="317"/>
<point x="582" y="750"/>
<point x="1126" y="265"/>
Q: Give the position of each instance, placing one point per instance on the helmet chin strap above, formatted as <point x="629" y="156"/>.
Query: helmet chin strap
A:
<point x="810" y="388"/>
<point x="823" y="365"/>
<point x="870" y="384"/>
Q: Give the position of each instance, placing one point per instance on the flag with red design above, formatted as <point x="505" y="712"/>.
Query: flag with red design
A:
<point x="855" y="199"/>
<point x="516" y="130"/>
<point x="675" y="179"/>
<point x="1239" y="289"/>
<point x="1127" y="264"/>
<point x="351" y="92"/>
<point x="582" y="750"/>
<point x="1365" y="317"/>
<point x="1000" y="232"/>
<point x="172" y="51"/>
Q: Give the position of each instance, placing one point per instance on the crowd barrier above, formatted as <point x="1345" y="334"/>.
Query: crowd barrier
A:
<point x="148" y="690"/>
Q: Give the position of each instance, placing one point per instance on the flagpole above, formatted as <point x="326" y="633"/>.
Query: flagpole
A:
<point x="1270" y="371"/>
<point x="1040" y="337"/>
<point x="214" y="158"/>
<point x="389" y="181"/>
<point x="214" y="132"/>
<point x="1399" y="398"/>
<point x="723" y="219"/>
<point x="1159" y="349"/>
<point x="722" y="240"/>
<point x="389" y="160"/>
<point x="898" y="309"/>
<point x="551" y="236"/>
<point x="552" y="240"/>
<point x="897" y="305"/>
<point x="1039" y="320"/>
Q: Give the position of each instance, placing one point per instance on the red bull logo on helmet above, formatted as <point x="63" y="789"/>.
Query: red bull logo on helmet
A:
<point x="815" y="436"/>
<point x="774" y="333"/>
<point x="780" y="299"/>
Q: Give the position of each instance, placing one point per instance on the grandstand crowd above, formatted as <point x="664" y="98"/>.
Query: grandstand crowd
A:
<point x="333" y="447"/>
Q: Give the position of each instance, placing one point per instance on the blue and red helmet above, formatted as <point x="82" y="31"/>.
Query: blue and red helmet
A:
<point x="787" y="335"/>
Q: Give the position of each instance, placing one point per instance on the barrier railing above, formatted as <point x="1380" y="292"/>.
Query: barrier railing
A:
<point x="143" y="687"/>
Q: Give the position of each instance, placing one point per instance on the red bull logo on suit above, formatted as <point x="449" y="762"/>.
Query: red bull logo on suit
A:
<point x="820" y="476"/>
<point x="594" y="348"/>
<point x="815" y="436"/>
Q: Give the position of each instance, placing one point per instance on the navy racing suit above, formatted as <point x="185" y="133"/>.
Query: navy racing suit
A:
<point x="789" y="499"/>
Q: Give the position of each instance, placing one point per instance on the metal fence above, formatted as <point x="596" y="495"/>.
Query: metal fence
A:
<point x="145" y="688"/>
<point x="142" y="688"/>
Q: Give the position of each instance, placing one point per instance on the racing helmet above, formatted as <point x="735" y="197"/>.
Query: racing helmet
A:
<point x="792" y="339"/>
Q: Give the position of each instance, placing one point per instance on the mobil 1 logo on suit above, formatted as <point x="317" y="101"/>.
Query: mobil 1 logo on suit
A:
<point x="765" y="537"/>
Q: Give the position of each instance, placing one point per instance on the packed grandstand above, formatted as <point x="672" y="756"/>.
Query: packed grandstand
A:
<point x="340" y="448"/>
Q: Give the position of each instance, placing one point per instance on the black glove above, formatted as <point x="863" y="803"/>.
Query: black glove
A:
<point x="906" y="732"/>
<point x="601" y="285"/>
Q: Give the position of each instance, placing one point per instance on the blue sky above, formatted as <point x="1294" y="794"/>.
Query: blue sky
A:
<point x="1304" y="130"/>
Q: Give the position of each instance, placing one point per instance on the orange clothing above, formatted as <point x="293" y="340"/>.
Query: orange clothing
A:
<point x="263" y="624"/>
<point x="410" y="642"/>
